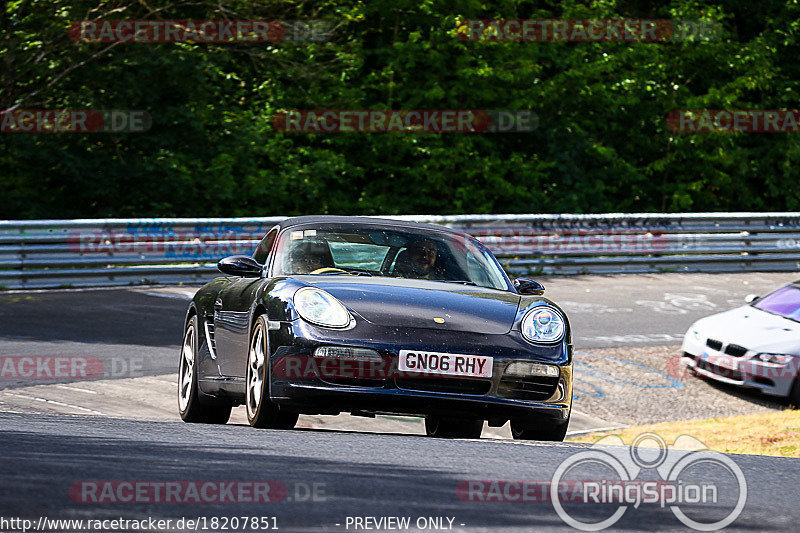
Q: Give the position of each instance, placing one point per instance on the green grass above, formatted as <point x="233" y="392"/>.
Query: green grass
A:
<point x="776" y="434"/>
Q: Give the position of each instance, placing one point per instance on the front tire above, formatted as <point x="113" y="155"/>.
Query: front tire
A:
<point x="794" y="394"/>
<point x="191" y="405"/>
<point x="453" y="428"/>
<point x="261" y="412"/>
<point x="546" y="430"/>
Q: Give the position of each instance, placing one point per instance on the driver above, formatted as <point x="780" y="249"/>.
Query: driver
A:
<point x="419" y="260"/>
<point x="307" y="257"/>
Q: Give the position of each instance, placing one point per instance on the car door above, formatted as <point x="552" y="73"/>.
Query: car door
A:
<point x="232" y="314"/>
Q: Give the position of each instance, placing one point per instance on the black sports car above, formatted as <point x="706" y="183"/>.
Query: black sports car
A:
<point x="367" y="315"/>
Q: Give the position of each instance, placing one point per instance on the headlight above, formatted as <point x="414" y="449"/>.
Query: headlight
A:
<point x="543" y="324"/>
<point x="774" y="358"/>
<point x="320" y="308"/>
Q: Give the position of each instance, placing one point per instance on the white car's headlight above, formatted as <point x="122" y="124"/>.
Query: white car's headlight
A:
<point x="543" y="324"/>
<point x="320" y="308"/>
<point x="774" y="358"/>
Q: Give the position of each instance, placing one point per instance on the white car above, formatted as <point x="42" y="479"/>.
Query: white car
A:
<point x="755" y="346"/>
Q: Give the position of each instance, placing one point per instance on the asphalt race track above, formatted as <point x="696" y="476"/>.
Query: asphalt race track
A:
<point x="349" y="474"/>
<point x="327" y="471"/>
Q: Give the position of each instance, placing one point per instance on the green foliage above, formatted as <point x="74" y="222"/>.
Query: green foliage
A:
<point x="602" y="143"/>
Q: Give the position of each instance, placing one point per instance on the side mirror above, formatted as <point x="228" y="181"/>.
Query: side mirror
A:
<point x="240" y="265"/>
<point x="750" y="298"/>
<point x="528" y="286"/>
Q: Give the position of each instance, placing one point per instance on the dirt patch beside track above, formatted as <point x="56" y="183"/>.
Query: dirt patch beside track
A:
<point x="645" y="385"/>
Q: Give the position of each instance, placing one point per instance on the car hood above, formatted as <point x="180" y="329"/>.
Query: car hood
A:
<point x="752" y="328"/>
<point x="406" y="303"/>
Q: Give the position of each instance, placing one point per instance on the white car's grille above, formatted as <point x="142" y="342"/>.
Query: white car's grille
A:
<point x="714" y="344"/>
<point x="735" y="350"/>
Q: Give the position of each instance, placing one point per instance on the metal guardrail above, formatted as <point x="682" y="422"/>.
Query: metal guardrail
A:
<point x="59" y="253"/>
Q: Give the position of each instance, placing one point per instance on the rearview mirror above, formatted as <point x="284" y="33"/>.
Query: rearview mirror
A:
<point x="240" y="265"/>
<point x="750" y="298"/>
<point x="528" y="286"/>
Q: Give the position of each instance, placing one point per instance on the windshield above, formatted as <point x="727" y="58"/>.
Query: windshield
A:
<point x="784" y="302"/>
<point x="377" y="251"/>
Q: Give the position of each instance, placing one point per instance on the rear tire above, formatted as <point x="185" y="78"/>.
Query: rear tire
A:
<point x="545" y="431"/>
<point x="261" y="412"/>
<point x="191" y="405"/>
<point x="453" y="428"/>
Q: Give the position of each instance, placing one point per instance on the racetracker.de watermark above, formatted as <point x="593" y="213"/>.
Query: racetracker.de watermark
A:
<point x="587" y="30"/>
<point x="183" y="244"/>
<point x="148" y="523"/>
<point x="33" y="367"/>
<point x="199" y="31"/>
<point x="767" y="366"/>
<point x="406" y="121"/>
<point x="159" y="492"/>
<point x="356" y="363"/>
<point x="527" y="241"/>
<point x="734" y="121"/>
<point x="74" y="121"/>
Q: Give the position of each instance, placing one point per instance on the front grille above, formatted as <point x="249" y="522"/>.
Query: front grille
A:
<point x="533" y="388"/>
<point x="354" y="382"/>
<point x="720" y="371"/>
<point x="735" y="350"/>
<point x="714" y="344"/>
<point x="458" y="385"/>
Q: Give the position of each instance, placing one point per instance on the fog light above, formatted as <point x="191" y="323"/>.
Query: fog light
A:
<point x="348" y="353"/>
<point x="524" y="369"/>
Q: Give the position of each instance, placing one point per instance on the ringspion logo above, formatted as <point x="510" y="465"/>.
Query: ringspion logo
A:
<point x="608" y="477"/>
<point x="684" y="482"/>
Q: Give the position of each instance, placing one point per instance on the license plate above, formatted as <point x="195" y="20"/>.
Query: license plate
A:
<point x="722" y="361"/>
<point x="727" y="362"/>
<point x="446" y="364"/>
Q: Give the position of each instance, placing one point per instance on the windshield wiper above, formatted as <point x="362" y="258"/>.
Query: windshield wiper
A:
<point x="461" y="281"/>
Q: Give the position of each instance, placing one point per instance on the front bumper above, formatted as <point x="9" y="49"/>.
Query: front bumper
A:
<point x="496" y="399"/>
<point x="743" y="371"/>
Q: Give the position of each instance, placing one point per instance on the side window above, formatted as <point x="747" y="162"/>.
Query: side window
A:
<point x="477" y="273"/>
<point x="262" y="251"/>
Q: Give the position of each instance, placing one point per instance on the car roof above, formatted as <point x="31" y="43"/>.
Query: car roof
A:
<point x="372" y="221"/>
